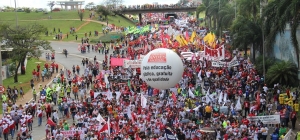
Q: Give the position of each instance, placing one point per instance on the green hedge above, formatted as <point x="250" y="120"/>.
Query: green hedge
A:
<point x="107" y="38"/>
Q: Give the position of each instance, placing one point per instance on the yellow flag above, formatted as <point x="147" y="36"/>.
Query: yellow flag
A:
<point x="179" y="40"/>
<point x="193" y="36"/>
<point x="183" y="41"/>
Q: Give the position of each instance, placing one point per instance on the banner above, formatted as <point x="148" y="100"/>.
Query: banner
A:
<point x="117" y="61"/>
<point x="215" y="54"/>
<point x="234" y="62"/>
<point x="71" y="133"/>
<point x="132" y="63"/>
<point x="269" y="119"/>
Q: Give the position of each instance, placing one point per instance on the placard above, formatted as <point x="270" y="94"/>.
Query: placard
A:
<point x="269" y="119"/>
<point x="132" y="63"/>
<point x="234" y="62"/>
<point x="71" y="133"/>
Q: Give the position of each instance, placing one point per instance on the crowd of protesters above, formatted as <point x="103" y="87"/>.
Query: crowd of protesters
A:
<point x="101" y="101"/>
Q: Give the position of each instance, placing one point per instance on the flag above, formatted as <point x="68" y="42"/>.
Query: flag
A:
<point x="50" y="122"/>
<point x="169" y="134"/>
<point x="128" y="83"/>
<point x="191" y="94"/>
<point x="187" y="38"/>
<point x="108" y="126"/>
<point x="183" y="92"/>
<point x="258" y="100"/>
<point x="199" y="75"/>
<point x="100" y="118"/>
<point x="104" y="128"/>
<point x="193" y="36"/>
<point x="143" y="101"/>
<point x="173" y="97"/>
<point x="178" y="39"/>
<point x="197" y="90"/>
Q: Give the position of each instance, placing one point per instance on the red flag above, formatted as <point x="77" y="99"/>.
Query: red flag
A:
<point x="145" y="48"/>
<point x="258" y="100"/>
<point x="137" y="137"/>
<point x="174" y="97"/>
<point x="133" y="117"/>
<point x="104" y="128"/>
<point x="50" y="122"/>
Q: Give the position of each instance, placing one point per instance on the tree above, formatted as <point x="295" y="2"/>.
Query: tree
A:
<point x="90" y="5"/>
<point x="284" y="73"/>
<point x="203" y="8"/>
<point x="80" y="14"/>
<point x="278" y="14"/>
<point x="183" y="2"/>
<point x="25" y="41"/>
<point x="112" y="4"/>
<point x="51" y="5"/>
<point x="102" y="10"/>
<point x="246" y="32"/>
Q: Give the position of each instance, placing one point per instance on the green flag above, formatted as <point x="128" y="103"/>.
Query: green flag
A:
<point x="198" y="91"/>
<point x="183" y="92"/>
<point x="128" y="83"/>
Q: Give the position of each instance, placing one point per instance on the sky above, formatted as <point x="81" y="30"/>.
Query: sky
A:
<point x="43" y="3"/>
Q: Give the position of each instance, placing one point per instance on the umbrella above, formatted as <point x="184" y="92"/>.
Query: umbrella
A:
<point x="185" y="121"/>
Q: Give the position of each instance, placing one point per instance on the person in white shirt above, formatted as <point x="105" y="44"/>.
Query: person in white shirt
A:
<point x="59" y="136"/>
<point x="265" y="88"/>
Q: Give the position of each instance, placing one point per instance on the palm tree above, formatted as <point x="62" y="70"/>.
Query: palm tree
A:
<point x="284" y="73"/>
<point x="203" y="8"/>
<point x="278" y="14"/>
<point x="249" y="8"/>
<point x="246" y="32"/>
<point x="226" y="16"/>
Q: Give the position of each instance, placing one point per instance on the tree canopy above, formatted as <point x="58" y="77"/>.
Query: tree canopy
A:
<point x="102" y="10"/>
<point x="25" y="42"/>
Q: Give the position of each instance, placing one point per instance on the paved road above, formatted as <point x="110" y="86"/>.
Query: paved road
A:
<point x="74" y="58"/>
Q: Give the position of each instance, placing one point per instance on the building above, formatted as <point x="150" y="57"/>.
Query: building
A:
<point x="72" y="4"/>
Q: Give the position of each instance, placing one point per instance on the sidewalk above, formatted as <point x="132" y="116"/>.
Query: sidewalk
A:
<point x="28" y="95"/>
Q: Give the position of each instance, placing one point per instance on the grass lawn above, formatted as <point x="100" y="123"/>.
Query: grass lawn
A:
<point x="115" y="20"/>
<point x="92" y="26"/>
<point x="24" y="80"/>
<point x="50" y="24"/>
<point x="40" y="15"/>
<point x="107" y="38"/>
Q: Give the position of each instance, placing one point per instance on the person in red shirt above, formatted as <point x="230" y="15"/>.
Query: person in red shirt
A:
<point x="246" y="107"/>
<point x="34" y="74"/>
<point x="245" y="121"/>
<point x="46" y="66"/>
<point x="56" y="67"/>
<point x="38" y="67"/>
<point x="37" y="75"/>
<point x="77" y="136"/>
<point x="251" y="114"/>
<point x="92" y="94"/>
<point x="293" y="119"/>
